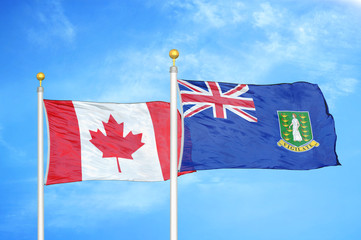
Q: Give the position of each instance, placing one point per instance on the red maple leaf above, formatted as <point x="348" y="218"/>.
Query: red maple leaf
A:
<point x="113" y="144"/>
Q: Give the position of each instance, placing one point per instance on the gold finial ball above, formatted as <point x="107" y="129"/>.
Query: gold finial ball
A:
<point x="40" y="76"/>
<point x="173" y="53"/>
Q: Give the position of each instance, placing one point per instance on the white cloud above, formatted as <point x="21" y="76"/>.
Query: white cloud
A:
<point x="215" y="14"/>
<point x="208" y="65"/>
<point x="304" y="34"/>
<point x="338" y="88"/>
<point x="305" y="41"/>
<point x="240" y="200"/>
<point x="87" y="204"/>
<point x="348" y="85"/>
<point x="345" y="86"/>
<point x="353" y="2"/>
<point x="52" y="24"/>
<point x="132" y="76"/>
<point x="311" y="41"/>
<point x="268" y="16"/>
<point x="122" y="75"/>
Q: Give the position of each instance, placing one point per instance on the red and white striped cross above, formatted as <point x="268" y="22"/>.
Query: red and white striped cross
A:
<point x="213" y="97"/>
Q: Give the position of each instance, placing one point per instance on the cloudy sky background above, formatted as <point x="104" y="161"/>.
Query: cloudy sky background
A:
<point x="117" y="51"/>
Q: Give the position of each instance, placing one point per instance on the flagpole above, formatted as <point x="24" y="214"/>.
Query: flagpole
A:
<point x="40" y="76"/>
<point x="173" y="148"/>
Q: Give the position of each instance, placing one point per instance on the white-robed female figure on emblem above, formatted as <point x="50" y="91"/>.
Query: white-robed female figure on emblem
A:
<point x="296" y="133"/>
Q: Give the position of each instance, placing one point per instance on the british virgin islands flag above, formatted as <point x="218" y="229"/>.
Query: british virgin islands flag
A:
<point x="281" y="126"/>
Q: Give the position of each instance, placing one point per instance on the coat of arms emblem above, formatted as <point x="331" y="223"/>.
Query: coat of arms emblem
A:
<point x="296" y="131"/>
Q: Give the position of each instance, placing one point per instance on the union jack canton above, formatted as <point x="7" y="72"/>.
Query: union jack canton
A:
<point x="212" y="96"/>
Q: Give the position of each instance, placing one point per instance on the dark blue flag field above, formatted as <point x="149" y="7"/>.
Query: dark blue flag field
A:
<point x="281" y="126"/>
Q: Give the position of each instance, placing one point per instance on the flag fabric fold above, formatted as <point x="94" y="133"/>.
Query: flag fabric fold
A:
<point x="281" y="126"/>
<point x="108" y="141"/>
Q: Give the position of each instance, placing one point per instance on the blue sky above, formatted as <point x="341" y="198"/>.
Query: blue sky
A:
<point x="117" y="51"/>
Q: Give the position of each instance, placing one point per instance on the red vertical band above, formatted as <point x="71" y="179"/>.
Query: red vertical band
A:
<point x="160" y="114"/>
<point x="65" y="149"/>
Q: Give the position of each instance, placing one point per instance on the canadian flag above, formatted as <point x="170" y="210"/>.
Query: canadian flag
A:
<point x="108" y="141"/>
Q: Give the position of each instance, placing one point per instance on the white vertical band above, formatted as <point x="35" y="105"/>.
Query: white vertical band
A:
<point x="40" y="165"/>
<point x="173" y="155"/>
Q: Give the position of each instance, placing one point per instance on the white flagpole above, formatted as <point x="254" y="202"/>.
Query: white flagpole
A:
<point x="173" y="148"/>
<point x="40" y="76"/>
